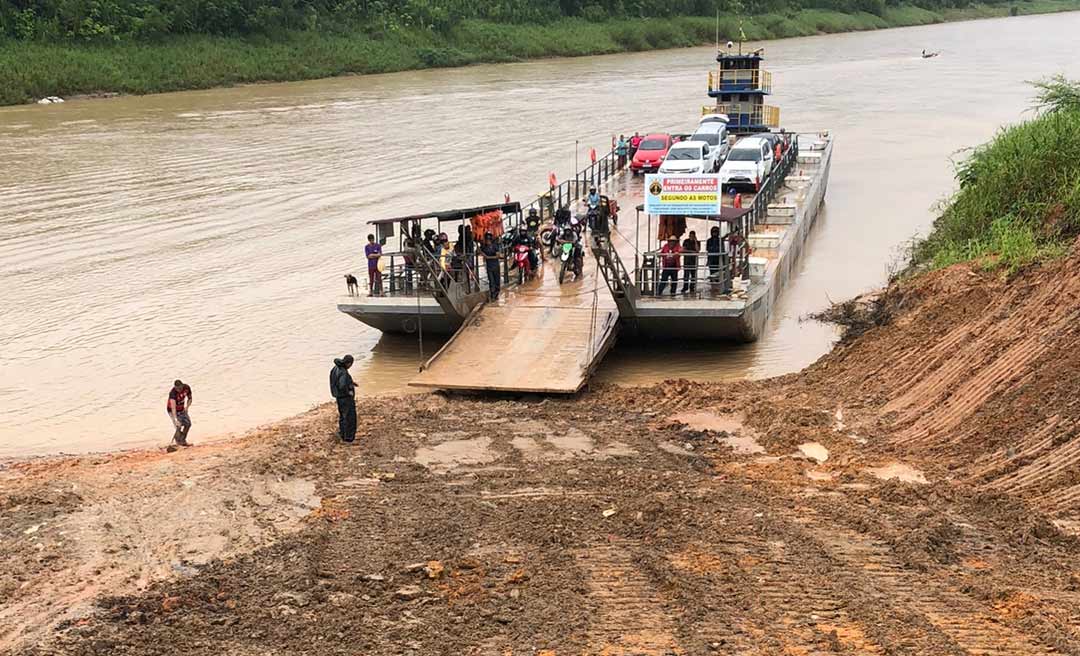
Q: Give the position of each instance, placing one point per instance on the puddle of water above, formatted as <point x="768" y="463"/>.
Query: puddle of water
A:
<point x="899" y="471"/>
<point x="455" y="453"/>
<point x="739" y="438"/>
<point x="814" y="451"/>
<point x="700" y="420"/>
<point x="573" y="442"/>
<point x="742" y="444"/>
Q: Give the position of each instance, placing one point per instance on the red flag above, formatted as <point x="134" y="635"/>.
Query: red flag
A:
<point x="592" y="155"/>
<point x="551" y="179"/>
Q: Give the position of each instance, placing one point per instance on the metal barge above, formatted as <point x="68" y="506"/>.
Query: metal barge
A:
<point x="554" y="334"/>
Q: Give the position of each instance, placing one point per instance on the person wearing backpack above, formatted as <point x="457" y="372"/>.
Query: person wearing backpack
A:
<point x="343" y="389"/>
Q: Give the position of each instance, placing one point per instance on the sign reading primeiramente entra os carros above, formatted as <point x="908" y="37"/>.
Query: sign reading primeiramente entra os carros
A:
<point x="670" y="193"/>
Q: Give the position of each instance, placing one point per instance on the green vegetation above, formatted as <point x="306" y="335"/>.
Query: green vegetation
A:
<point x="66" y="47"/>
<point x="1019" y="197"/>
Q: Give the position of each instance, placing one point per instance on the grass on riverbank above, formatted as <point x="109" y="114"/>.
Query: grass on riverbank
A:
<point x="31" y="70"/>
<point x="1019" y="197"/>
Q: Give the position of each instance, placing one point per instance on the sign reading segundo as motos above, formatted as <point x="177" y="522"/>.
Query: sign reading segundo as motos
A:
<point x="670" y="193"/>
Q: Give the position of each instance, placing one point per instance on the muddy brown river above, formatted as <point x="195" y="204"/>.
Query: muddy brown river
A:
<point x="204" y="235"/>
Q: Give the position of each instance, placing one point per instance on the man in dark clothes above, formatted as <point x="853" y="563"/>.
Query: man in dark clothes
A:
<point x="343" y="389"/>
<point x="490" y="250"/>
<point x="714" y="246"/>
<point x="177" y="406"/>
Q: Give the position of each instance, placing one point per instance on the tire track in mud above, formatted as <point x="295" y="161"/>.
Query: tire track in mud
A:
<point x="969" y="625"/>
<point x="631" y="618"/>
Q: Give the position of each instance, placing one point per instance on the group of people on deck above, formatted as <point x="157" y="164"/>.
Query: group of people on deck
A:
<point x="675" y="257"/>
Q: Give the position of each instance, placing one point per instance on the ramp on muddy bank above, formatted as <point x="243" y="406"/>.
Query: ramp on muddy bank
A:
<point x="542" y="337"/>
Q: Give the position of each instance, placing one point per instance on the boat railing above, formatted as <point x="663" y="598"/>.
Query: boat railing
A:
<point x="701" y="274"/>
<point x="424" y="273"/>
<point x="745" y="114"/>
<point x="575" y="188"/>
<point x="740" y="80"/>
<point x="715" y="273"/>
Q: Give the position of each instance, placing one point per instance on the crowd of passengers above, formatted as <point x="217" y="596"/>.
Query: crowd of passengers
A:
<point x="454" y="259"/>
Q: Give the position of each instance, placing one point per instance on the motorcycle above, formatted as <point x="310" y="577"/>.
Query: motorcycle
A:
<point x="522" y="262"/>
<point x="568" y="253"/>
<point x="548" y="239"/>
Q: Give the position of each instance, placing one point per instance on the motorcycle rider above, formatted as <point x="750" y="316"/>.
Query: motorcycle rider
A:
<point x="562" y="217"/>
<point x="569" y="236"/>
<point x="532" y="222"/>
<point x="524" y="238"/>
<point x="593" y="199"/>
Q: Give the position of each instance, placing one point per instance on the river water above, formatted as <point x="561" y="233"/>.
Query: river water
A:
<point x="204" y="235"/>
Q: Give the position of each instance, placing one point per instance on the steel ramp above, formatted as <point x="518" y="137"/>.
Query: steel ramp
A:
<point x="540" y="337"/>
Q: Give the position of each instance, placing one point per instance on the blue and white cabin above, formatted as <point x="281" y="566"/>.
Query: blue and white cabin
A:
<point x="740" y="84"/>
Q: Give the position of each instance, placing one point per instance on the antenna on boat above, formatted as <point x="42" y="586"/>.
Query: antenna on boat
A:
<point x="718" y="29"/>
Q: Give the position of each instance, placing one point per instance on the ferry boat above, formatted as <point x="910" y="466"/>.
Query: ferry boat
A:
<point x="730" y="292"/>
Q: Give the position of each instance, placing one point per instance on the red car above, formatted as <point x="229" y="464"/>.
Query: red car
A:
<point x="651" y="153"/>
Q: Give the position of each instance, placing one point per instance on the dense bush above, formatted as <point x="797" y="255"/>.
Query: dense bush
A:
<point x="1019" y="196"/>
<point x="120" y="20"/>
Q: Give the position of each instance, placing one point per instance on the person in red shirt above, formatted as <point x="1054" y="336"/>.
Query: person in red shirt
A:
<point x="635" y="142"/>
<point x="179" y="403"/>
<point x="669" y="265"/>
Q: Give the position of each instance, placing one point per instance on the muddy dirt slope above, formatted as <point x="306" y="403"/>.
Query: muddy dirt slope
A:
<point x="911" y="493"/>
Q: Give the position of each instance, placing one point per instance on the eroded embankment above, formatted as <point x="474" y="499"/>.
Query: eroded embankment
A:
<point x="900" y="496"/>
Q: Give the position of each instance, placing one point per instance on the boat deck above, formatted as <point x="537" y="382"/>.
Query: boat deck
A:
<point x="540" y="337"/>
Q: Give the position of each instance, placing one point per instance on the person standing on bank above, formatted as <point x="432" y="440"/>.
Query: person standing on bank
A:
<point x="343" y="389"/>
<point x="179" y="403"/>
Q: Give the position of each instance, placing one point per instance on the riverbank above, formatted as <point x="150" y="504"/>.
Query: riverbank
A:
<point x="912" y="491"/>
<point x="34" y="70"/>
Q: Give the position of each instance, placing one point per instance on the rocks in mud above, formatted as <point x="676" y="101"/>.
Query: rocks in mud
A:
<point x="291" y="598"/>
<point x="374" y="578"/>
<point x="408" y="592"/>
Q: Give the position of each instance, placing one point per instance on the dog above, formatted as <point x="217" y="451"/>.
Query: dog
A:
<point x="350" y="282"/>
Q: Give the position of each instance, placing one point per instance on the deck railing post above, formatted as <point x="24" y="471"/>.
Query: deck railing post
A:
<point x="392" y="285"/>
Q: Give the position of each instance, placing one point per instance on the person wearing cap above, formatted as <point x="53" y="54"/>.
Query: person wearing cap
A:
<point x="179" y="403"/>
<point x="669" y="265"/>
<point x="343" y="389"/>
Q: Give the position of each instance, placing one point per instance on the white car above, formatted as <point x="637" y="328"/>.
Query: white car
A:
<point x="713" y="118"/>
<point x="747" y="163"/>
<point x="716" y="135"/>
<point x="691" y="157"/>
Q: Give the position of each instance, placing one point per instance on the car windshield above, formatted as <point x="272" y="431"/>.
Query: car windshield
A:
<point x="744" y="155"/>
<point x="652" y="144"/>
<point x="711" y="138"/>
<point x="684" y="154"/>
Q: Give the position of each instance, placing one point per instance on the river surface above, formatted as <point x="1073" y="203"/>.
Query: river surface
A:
<point x="204" y="235"/>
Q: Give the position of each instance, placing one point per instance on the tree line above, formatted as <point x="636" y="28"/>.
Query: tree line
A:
<point x="147" y="20"/>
